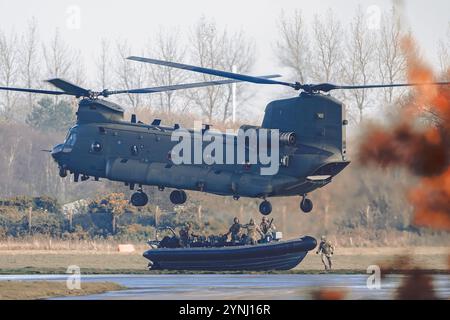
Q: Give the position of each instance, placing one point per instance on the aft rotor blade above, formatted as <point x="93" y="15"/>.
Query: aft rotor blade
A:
<point x="326" y="87"/>
<point x="69" y="88"/>
<point x="184" y="86"/>
<point x="214" y="72"/>
<point x="35" y="91"/>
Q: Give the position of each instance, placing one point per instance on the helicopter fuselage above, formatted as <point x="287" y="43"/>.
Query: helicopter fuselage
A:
<point x="102" y="145"/>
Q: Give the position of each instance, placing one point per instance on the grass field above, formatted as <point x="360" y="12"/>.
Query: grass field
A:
<point x="100" y="261"/>
<point x="31" y="290"/>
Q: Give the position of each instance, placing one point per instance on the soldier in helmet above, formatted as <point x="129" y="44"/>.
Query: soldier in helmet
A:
<point x="186" y="235"/>
<point x="326" y="250"/>
<point x="252" y="232"/>
<point x="235" y="231"/>
<point x="266" y="226"/>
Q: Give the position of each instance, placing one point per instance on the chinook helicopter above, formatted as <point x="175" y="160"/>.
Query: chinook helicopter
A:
<point x="102" y="144"/>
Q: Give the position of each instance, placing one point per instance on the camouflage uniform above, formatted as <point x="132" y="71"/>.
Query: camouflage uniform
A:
<point x="235" y="231"/>
<point x="326" y="250"/>
<point x="252" y="232"/>
<point x="186" y="235"/>
<point x="266" y="226"/>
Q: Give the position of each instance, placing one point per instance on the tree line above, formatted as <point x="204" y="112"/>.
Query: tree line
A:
<point x="102" y="217"/>
<point x="324" y="50"/>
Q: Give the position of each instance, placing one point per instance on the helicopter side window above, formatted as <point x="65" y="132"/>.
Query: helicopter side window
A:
<point x="96" y="147"/>
<point x="134" y="150"/>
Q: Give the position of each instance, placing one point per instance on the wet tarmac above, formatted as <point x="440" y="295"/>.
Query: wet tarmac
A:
<point x="231" y="286"/>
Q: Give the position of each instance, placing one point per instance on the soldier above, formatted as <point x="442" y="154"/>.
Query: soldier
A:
<point x="186" y="235"/>
<point x="235" y="231"/>
<point x="252" y="231"/>
<point x="326" y="250"/>
<point x="266" y="226"/>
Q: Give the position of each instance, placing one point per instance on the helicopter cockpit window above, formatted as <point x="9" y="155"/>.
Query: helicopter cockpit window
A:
<point x="71" y="139"/>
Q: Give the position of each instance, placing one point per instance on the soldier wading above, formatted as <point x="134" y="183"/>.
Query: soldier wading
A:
<point x="326" y="250"/>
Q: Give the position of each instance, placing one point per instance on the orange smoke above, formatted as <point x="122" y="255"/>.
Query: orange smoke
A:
<point x="329" y="294"/>
<point x="424" y="152"/>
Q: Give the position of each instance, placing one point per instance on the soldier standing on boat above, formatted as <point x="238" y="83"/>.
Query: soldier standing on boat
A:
<point x="266" y="226"/>
<point x="235" y="231"/>
<point x="326" y="250"/>
<point x="187" y="235"/>
<point x="252" y="232"/>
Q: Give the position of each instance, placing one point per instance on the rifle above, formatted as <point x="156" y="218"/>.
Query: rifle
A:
<point x="270" y="224"/>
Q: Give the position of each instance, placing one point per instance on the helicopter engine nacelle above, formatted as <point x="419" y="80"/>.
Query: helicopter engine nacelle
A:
<point x="99" y="111"/>
<point x="286" y="138"/>
<point x="315" y="121"/>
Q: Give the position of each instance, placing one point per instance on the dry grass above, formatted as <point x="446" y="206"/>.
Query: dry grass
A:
<point x="362" y="259"/>
<point x="31" y="290"/>
<point x="345" y="259"/>
<point x="47" y="244"/>
<point x="40" y="260"/>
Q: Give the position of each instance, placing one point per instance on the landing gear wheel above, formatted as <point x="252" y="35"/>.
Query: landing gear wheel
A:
<point x="139" y="199"/>
<point x="62" y="172"/>
<point x="178" y="197"/>
<point x="265" y="208"/>
<point x="306" y="205"/>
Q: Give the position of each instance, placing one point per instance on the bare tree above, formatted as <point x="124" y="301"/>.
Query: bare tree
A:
<point x="327" y="48"/>
<point x="217" y="49"/>
<point x="30" y="60"/>
<point x="9" y="70"/>
<point x="359" y="65"/>
<point x="58" y="57"/>
<point x="168" y="46"/>
<point x="104" y="65"/>
<point x="293" y="47"/>
<point x="78" y="70"/>
<point x="129" y="75"/>
<point x="239" y="55"/>
<point x="207" y="51"/>
<point x="391" y="60"/>
<point x="444" y="55"/>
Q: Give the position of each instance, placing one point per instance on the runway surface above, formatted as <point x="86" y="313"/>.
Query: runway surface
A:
<point x="230" y="286"/>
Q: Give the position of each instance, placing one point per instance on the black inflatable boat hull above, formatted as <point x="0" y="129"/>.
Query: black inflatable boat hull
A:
<point x="283" y="255"/>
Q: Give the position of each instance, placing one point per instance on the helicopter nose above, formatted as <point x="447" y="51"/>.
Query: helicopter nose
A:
<point x="57" y="151"/>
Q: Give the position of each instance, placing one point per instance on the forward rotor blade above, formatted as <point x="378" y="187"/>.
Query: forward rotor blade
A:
<point x="57" y="93"/>
<point x="326" y="87"/>
<point x="184" y="86"/>
<point x="213" y="72"/>
<point x="70" y="88"/>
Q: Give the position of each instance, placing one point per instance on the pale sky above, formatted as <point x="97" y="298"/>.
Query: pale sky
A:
<point x="135" y="20"/>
